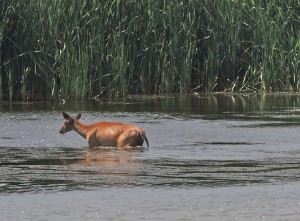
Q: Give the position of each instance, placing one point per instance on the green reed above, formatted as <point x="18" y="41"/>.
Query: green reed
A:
<point x="62" y="49"/>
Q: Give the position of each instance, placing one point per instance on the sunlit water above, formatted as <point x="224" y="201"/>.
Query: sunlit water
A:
<point x="215" y="157"/>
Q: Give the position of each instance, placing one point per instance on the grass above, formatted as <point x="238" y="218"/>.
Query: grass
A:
<point x="62" y="50"/>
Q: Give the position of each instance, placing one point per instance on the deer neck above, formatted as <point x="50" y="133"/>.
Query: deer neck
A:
<point x="80" y="128"/>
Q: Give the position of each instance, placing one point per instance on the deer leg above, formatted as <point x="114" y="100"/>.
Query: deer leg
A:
<point x="92" y="139"/>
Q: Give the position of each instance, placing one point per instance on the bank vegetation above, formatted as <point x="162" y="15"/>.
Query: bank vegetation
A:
<point x="63" y="49"/>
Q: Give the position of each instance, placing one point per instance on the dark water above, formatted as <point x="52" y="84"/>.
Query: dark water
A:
<point x="214" y="157"/>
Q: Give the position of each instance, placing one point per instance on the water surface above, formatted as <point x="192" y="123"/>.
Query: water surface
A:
<point x="214" y="157"/>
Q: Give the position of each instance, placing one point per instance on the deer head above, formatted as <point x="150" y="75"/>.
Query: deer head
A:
<point x="69" y="123"/>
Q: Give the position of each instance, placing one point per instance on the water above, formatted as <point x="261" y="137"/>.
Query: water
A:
<point x="216" y="157"/>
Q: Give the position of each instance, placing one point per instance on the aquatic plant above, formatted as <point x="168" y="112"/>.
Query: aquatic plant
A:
<point x="62" y="49"/>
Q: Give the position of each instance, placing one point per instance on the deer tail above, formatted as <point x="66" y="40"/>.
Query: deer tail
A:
<point x="143" y="135"/>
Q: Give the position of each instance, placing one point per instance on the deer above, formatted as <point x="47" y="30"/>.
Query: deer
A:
<point x="106" y="134"/>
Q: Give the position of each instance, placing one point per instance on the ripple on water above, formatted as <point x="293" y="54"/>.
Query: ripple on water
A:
<point x="33" y="169"/>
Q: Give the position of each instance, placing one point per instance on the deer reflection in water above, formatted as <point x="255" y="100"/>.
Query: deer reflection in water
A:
<point x="110" y="161"/>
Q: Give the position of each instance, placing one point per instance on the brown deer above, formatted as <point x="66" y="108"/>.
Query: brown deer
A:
<point x="108" y="134"/>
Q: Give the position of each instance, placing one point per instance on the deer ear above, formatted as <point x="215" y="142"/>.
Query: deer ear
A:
<point x="66" y="116"/>
<point x="78" y="116"/>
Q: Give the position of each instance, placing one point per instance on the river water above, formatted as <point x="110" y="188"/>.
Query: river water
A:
<point x="211" y="157"/>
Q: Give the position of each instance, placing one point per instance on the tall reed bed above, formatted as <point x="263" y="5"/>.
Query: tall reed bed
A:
<point x="68" y="49"/>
